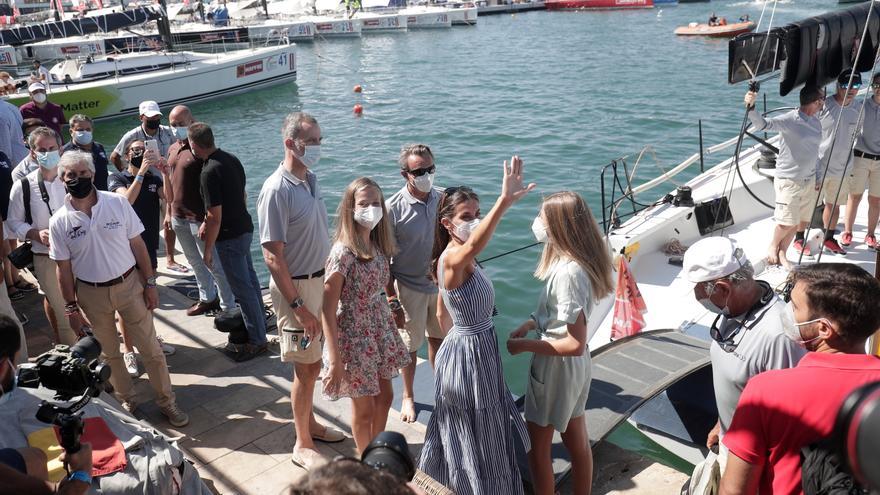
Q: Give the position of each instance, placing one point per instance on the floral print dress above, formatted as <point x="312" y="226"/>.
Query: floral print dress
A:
<point x="370" y="348"/>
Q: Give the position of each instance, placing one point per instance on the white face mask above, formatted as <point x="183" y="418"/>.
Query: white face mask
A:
<point x="39" y="97"/>
<point x="792" y="328"/>
<point x="464" y="230"/>
<point x="311" y="155"/>
<point x="712" y="307"/>
<point x="539" y="229"/>
<point x="424" y="183"/>
<point x="368" y="217"/>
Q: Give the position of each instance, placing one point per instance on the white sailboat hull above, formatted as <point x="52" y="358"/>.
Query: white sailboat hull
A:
<point x="205" y="77"/>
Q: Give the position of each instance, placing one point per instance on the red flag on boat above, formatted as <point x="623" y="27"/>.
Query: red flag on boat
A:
<point x="629" y="306"/>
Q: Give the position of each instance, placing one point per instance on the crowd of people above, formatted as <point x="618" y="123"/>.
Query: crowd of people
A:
<point x="397" y="271"/>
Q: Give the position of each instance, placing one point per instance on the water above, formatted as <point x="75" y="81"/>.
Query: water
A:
<point x="566" y="91"/>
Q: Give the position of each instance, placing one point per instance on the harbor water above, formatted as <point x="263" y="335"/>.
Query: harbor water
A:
<point x="566" y="91"/>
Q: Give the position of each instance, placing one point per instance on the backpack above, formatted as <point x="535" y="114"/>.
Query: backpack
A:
<point x="823" y="472"/>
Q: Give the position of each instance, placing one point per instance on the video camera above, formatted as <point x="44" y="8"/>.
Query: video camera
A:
<point x="70" y="371"/>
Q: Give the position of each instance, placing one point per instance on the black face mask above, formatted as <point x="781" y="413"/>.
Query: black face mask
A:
<point x="80" y="187"/>
<point x="136" y="160"/>
<point x="152" y="124"/>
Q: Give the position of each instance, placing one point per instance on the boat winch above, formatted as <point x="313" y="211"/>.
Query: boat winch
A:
<point x="683" y="197"/>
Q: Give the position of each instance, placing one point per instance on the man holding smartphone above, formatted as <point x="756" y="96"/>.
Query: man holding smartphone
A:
<point x="295" y="235"/>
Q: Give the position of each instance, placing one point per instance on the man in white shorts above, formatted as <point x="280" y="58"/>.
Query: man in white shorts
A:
<point x="413" y="298"/>
<point x="797" y="169"/>
<point x="835" y="153"/>
<point x="866" y="170"/>
<point x="295" y="236"/>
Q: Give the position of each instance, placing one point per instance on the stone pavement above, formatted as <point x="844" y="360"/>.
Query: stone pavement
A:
<point x="241" y="434"/>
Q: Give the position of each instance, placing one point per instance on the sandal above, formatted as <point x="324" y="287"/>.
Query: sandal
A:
<point x="177" y="267"/>
<point x="24" y="285"/>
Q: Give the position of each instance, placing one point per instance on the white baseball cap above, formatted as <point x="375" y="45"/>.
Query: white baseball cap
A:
<point x="713" y="258"/>
<point x="36" y="87"/>
<point x="149" y="108"/>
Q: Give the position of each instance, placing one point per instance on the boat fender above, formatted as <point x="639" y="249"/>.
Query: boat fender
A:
<point x="357" y="88"/>
<point x="358" y="109"/>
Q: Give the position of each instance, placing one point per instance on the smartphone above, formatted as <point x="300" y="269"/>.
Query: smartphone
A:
<point x="152" y="145"/>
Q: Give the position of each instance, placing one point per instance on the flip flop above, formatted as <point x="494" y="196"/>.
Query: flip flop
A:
<point x="177" y="267"/>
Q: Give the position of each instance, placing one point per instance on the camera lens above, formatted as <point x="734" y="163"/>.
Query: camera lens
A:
<point x="390" y="452"/>
<point x="87" y="348"/>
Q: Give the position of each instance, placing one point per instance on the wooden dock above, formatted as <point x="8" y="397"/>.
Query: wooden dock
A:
<point x="241" y="433"/>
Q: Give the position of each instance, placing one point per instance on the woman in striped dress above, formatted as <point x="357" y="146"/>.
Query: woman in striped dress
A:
<point x="469" y="445"/>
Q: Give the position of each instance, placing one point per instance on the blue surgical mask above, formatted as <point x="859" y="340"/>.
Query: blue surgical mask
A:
<point x="82" y="137"/>
<point x="48" y="159"/>
<point x="180" y="132"/>
<point x="311" y="155"/>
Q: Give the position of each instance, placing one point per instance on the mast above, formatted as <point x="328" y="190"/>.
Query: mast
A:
<point x="164" y="26"/>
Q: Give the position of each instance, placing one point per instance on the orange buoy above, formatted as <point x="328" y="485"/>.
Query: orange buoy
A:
<point x="358" y="88"/>
<point x="358" y="109"/>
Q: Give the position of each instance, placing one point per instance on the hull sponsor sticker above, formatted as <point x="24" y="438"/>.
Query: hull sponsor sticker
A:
<point x="248" y="69"/>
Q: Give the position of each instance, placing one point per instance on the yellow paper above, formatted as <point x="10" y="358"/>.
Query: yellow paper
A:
<point x="46" y="441"/>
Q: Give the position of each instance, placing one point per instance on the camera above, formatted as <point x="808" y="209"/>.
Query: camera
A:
<point x="69" y="371"/>
<point x="388" y="451"/>
<point x="857" y="433"/>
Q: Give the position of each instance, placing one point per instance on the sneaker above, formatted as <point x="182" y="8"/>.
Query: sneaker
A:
<point x="250" y="351"/>
<point x="832" y="246"/>
<point x="799" y="247"/>
<point x="175" y="416"/>
<point x="130" y="406"/>
<point x="846" y="238"/>
<point x="203" y="307"/>
<point x="871" y="241"/>
<point x="131" y="364"/>
<point x="167" y="349"/>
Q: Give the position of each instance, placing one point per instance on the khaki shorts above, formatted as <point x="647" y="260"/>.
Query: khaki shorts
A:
<point x="421" y="317"/>
<point x="829" y="190"/>
<point x="795" y="200"/>
<point x="290" y="334"/>
<point x="865" y="174"/>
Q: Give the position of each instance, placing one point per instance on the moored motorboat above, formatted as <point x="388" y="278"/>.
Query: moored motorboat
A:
<point x="598" y="4"/>
<point x="426" y="18"/>
<point x="720" y="31"/>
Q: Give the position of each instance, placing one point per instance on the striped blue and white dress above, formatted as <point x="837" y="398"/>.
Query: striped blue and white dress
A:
<point x="469" y="445"/>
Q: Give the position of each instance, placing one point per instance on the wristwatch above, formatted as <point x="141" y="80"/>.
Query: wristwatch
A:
<point x="296" y="303"/>
<point x="80" y="476"/>
<point x="151" y="281"/>
<point x="394" y="304"/>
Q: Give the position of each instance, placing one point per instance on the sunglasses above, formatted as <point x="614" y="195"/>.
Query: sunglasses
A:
<point x="726" y="344"/>
<point x="785" y="293"/>
<point x="451" y="190"/>
<point x="855" y="85"/>
<point x="876" y="85"/>
<point x="422" y="171"/>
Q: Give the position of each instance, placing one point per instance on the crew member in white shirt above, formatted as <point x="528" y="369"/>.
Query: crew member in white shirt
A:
<point x="95" y="238"/>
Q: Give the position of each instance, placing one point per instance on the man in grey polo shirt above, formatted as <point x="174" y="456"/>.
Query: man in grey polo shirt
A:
<point x="295" y="236"/>
<point x="413" y="298"/>
<point x="797" y="169"/>
<point x="866" y="170"/>
<point x="748" y="335"/>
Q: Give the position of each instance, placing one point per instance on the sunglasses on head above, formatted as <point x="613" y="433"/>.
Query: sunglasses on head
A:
<point x="422" y="171"/>
<point x="451" y="190"/>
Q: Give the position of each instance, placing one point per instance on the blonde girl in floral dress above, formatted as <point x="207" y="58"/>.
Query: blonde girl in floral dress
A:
<point x="362" y="349"/>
